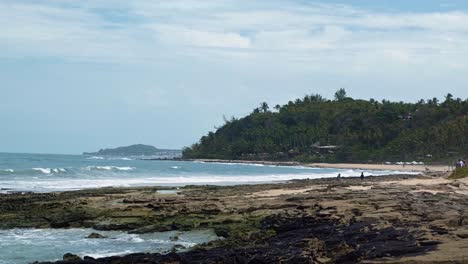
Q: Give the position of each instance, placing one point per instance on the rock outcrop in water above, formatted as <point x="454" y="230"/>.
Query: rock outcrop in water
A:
<point x="95" y="236"/>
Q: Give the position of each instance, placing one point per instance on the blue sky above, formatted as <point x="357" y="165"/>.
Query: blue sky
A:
<point x="81" y="75"/>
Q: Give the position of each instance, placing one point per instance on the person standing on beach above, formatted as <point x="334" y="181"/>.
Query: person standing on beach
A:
<point x="339" y="176"/>
<point x="362" y="175"/>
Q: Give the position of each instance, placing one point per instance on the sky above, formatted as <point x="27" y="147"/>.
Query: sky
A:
<point x="83" y="75"/>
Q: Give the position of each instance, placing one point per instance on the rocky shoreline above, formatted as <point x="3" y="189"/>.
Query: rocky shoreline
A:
<point x="391" y="219"/>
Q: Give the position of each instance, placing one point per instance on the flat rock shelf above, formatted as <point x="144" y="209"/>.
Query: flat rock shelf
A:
<point x="390" y="219"/>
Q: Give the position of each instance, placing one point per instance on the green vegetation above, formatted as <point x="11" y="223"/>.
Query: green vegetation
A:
<point x="315" y="129"/>
<point x="459" y="173"/>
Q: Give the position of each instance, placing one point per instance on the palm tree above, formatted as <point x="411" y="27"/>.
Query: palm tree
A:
<point x="264" y="107"/>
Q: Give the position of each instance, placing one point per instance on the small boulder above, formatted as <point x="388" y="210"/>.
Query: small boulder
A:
<point x="71" y="257"/>
<point x="463" y="234"/>
<point x="177" y="248"/>
<point x="95" y="235"/>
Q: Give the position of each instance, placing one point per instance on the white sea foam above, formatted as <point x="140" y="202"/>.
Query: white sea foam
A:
<point x="43" y="170"/>
<point x="261" y="165"/>
<point x="27" y="245"/>
<point x="95" y="254"/>
<point x="9" y="170"/>
<point x="120" y="158"/>
<point x="133" y="238"/>
<point x="110" y="168"/>
<point x="95" y="158"/>
<point x="50" y="170"/>
<point x="168" y="241"/>
<point x="78" y="174"/>
<point x="64" y="184"/>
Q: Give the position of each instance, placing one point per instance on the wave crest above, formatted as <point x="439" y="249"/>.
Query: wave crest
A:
<point x="110" y="168"/>
<point x="48" y="170"/>
<point x="95" y="158"/>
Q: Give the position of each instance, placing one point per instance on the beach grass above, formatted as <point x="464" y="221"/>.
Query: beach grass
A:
<point x="459" y="173"/>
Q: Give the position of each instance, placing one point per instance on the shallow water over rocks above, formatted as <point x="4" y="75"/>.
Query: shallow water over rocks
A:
<point x="29" y="245"/>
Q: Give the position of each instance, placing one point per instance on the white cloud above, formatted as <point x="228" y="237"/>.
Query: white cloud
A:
<point x="450" y="21"/>
<point x="177" y="35"/>
<point x="240" y="30"/>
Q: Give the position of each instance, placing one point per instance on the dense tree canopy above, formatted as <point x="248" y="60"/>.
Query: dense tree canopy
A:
<point x="343" y="130"/>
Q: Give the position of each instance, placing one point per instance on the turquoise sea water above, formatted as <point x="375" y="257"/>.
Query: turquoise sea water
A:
<point x="46" y="173"/>
<point x="21" y="246"/>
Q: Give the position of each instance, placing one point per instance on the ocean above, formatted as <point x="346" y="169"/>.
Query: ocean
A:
<point x="49" y="173"/>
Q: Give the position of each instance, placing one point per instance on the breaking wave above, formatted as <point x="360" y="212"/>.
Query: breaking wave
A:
<point x="95" y="158"/>
<point x="110" y="168"/>
<point x="49" y="170"/>
<point x="55" y="171"/>
<point x="47" y="173"/>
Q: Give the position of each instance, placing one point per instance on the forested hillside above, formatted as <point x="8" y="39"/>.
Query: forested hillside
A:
<point x="316" y="129"/>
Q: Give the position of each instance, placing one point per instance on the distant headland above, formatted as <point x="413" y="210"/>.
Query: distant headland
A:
<point x="132" y="150"/>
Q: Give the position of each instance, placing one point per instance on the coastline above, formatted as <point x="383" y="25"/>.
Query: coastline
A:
<point x="357" y="166"/>
<point x="398" y="218"/>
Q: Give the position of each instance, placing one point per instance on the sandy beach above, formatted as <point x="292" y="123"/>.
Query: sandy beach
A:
<point x="395" y="167"/>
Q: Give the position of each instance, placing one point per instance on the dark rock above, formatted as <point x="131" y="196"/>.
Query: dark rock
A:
<point x="178" y="247"/>
<point x="71" y="257"/>
<point x="59" y="224"/>
<point x="356" y="212"/>
<point x="112" y="227"/>
<point x="429" y="243"/>
<point x="297" y="240"/>
<point x="462" y="234"/>
<point x="438" y="229"/>
<point x="95" y="235"/>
